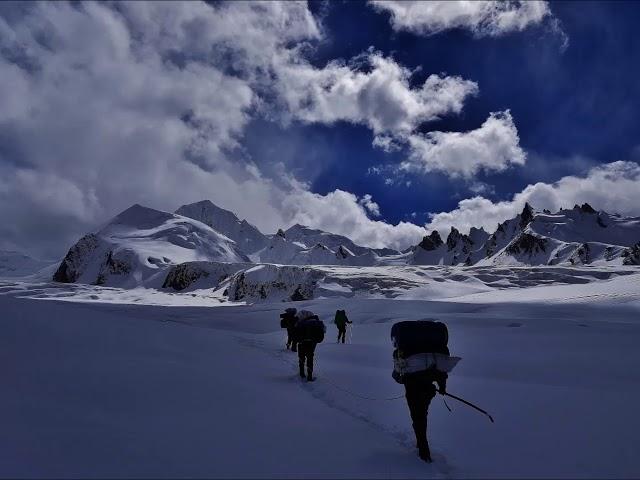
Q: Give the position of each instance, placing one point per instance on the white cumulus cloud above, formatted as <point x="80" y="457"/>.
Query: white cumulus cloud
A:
<point x="483" y="18"/>
<point x="613" y="187"/>
<point x="492" y="147"/>
<point x="379" y="97"/>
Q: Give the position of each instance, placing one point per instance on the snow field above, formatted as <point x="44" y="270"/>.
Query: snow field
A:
<point x="95" y="389"/>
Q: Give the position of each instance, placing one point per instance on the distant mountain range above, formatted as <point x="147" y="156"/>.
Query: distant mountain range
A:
<point x="143" y="246"/>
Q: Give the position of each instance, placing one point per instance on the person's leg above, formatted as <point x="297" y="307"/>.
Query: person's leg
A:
<point x="312" y="347"/>
<point x="416" y="401"/>
<point x="301" y="359"/>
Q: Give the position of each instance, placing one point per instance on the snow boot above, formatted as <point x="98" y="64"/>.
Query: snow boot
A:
<point x="424" y="453"/>
<point x="301" y="371"/>
<point x="310" y="376"/>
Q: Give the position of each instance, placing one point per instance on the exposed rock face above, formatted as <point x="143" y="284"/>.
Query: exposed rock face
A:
<point x="343" y="253"/>
<point x="526" y="216"/>
<point x="431" y="242"/>
<point x="526" y="243"/>
<point x="586" y="208"/>
<point x="601" y="222"/>
<point x="582" y="255"/>
<point x="632" y="255"/>
<point x="76" y="259"/>
<point x="455" y="239"/>
<point x="186" y="275"/>
<point x="275" y="282"/>
<point x="112" y="266"/>
<point x="183" y="275"/>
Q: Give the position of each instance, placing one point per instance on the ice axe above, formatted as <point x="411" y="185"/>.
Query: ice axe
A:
<point x="468" y="403"/>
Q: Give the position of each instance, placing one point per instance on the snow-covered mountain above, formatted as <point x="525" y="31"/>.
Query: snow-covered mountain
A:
<point x="283" y="250"/>
<point x="247" y="237"/>
<point x="311" y="237"/>
<point x="16" y="264"/>
<point x="139" y="245"/>
<point x="580" y="235"/>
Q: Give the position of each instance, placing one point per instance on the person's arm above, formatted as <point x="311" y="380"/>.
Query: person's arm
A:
<point x="441" y="380"/>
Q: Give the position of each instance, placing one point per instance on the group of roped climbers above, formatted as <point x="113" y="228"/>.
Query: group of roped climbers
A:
<point x="421" y="358"/>
<point x="304" y="331"/>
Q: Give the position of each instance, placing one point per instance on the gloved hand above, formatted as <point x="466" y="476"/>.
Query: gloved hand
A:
<point x="442" y="387"/>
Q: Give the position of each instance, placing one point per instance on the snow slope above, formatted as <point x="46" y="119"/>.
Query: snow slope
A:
<point x="118" y="389"/>
<point x="16" y="264"/>
<point x="310" y="237"/>
<point x="139" y="245"/>
<point x="283" y="250"/>
<point x="248" y="238"/>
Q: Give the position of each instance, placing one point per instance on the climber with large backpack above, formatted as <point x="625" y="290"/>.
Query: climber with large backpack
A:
<point x="421" y="357"/>
<point x="341" y="321"/>
<point x="288" y="320"/>
<point x="309" y="331"/>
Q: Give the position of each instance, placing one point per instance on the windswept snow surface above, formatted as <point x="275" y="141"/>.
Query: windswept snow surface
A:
<point x="150" y="383"/>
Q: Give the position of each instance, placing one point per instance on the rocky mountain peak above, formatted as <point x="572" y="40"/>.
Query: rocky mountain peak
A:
<point x="526" y="216"/>
<point x="431" y="242"/>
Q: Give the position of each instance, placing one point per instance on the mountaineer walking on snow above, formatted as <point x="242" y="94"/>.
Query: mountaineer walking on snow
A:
<point x="309" y="331"/>
<point x="341" y="321"/>
<point x="288" y="320"/>
<point x="421" y="357"/>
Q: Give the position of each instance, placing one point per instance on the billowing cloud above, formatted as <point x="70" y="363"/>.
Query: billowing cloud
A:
<point x="379" y="97"/>
<point x="106" y="105"/>
<point x="482" y="18"/>
<point x="613" y="187"/>
<point x="492" y="147"/>
<point x="372" y="207"/>
<point x="341" y="212"/>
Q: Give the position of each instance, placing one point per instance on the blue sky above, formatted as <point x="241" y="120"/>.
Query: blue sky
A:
<point x="379" y="121"/>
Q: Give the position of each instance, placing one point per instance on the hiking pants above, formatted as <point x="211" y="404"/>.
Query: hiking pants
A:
<point x="305" y="353"/>
<point x="290" y="341"/>
<point x="419" y="394"/>
<point x="342" y="331"/>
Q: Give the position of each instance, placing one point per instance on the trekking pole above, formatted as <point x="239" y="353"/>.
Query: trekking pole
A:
<point x="470" y="404"/>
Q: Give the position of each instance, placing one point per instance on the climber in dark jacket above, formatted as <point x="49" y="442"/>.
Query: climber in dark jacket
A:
<point x="419" y="390"/>
<point x="341" y="321"/>
<point x="306" y="345"/>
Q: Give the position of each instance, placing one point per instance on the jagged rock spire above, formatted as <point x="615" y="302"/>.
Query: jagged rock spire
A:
<point x="526" y="216"/>
<point x="431" y="242"/>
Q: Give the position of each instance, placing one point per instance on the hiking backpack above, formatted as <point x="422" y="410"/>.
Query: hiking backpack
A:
<point x="310" y="330"/>
<point x="421" y="336"/>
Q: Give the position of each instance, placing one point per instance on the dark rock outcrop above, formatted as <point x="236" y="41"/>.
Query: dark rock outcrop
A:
<point x="431" y="242"/>
<point x="632" y="255"/>
<point x="74" y="262"/>
<point x="183" y="275"/>
<point x="526" y="216"/>
<point x="526" y="243"/>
